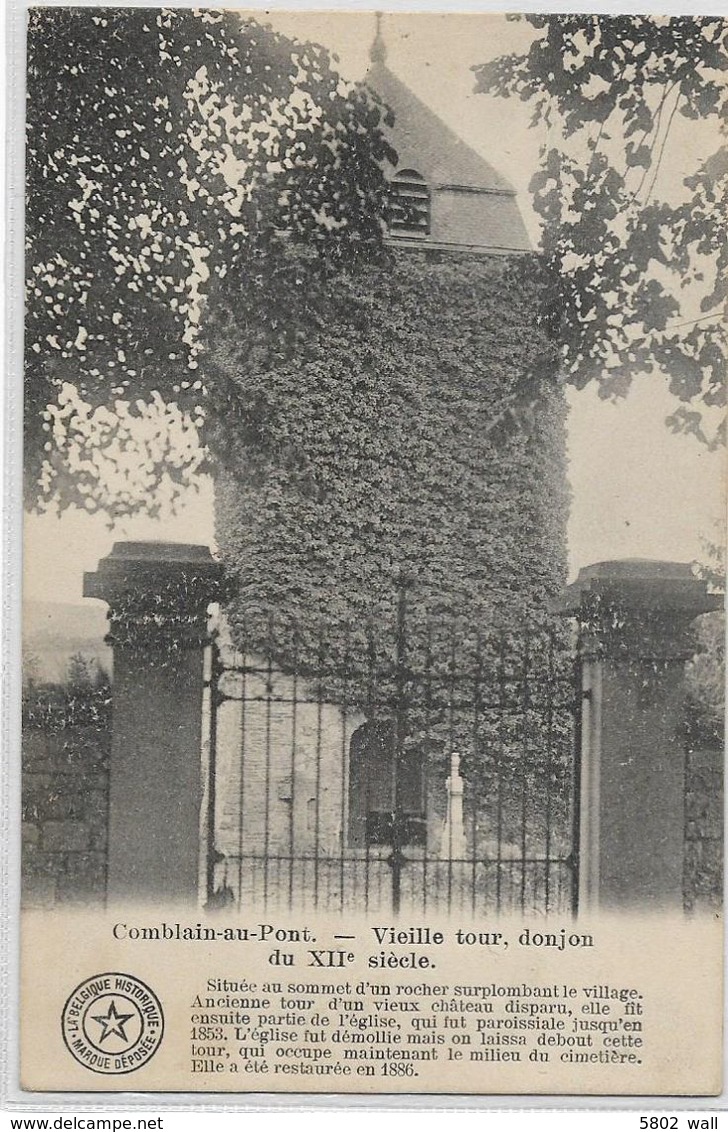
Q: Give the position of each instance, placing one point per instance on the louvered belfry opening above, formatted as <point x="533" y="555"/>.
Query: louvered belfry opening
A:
<point x="409" y="204"/>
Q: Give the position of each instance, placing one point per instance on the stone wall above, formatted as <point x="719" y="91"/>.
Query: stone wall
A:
<point x="65" y="793"/>
<point x="66" y="740"/>
<point x="703" y="876"/>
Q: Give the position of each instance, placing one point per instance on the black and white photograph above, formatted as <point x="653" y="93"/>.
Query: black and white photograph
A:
<point x="373" y="576"/>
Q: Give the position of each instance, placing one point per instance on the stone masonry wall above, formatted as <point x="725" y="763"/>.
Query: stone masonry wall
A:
<point x="66" y="746"/>
<point x="703" y="877"/>
<point x="66" y="743"/>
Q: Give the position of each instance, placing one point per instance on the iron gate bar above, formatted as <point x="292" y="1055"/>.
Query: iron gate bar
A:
<point x="524" y="782"/>
<point x="450" y="744"/>
<point x="371" y="669"/>
<point x="549" y="770"/>
<point x="241" y="792"/>
<point x="344" y="776"/>
<point x="581" y="696"/>
<point x="501" y="754"/>
<point x="317" y="793"/>
<point x="476" y="719"/>
<point x="449" y="703"/>
<point x="416" y="678"/>
<point x="397" y="859"/>
<point x="216" y="671"/>
<point x="266" y="819"/>
<point x="292" y="806"/>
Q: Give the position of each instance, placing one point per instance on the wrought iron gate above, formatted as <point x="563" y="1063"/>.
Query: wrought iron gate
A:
<point x="416" y="764"/>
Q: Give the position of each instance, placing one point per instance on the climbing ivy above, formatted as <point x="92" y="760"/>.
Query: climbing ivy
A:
<point x="375" y="434"/>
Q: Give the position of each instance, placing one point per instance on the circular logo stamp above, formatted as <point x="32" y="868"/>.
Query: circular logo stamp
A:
<point x="112" y="1023"/>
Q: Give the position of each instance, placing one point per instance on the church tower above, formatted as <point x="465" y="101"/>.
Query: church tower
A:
<point x="445" y="196"/>
<point x="394" y="519"/>
<point x="397" y="445"/>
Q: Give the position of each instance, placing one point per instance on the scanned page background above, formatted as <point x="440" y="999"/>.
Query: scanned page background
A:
<point x="639" y="492"/>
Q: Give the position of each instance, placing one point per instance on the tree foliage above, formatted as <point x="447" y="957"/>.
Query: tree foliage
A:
<point x="706" y="671"/>
<point x="167" y="149"/>
<point x="636" y="274"/>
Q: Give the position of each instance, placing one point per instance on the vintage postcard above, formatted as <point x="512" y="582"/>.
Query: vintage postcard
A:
<point x="373" y="562"/>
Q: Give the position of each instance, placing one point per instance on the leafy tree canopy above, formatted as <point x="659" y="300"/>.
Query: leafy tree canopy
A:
<point x="634" y="283"/>
<point x="168" y="153"/>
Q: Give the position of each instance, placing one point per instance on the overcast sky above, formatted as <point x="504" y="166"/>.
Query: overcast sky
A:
<point x="637" y="490"/>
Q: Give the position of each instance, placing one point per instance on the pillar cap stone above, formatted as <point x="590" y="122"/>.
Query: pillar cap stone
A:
<point x="638" y="609"/>
<point x="158" y="593"/>
<point x="642" y="583"/>
<point x="134" y="564"/>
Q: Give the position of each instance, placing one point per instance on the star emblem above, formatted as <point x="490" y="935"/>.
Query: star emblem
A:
<point x="112" y="1023"/>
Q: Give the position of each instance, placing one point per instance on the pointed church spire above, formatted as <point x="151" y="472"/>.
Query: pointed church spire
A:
<point x="378" y="50"/>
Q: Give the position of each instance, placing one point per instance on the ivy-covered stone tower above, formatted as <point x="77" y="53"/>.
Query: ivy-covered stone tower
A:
<point x="421" y="432"/>
<point x="395" y="497"/>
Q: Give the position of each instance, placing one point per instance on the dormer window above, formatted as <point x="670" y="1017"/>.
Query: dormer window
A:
<point x="409" y="204"/>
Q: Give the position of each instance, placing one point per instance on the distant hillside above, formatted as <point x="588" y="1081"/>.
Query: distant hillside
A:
<point x="54" y="631"/>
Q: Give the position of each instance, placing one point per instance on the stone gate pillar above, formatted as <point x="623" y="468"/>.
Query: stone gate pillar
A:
<point x="158" y="594"/>
<point x="634" y="618"/>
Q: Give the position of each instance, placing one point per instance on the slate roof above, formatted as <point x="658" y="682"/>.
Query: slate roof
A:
<point x="473" y="206"/>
